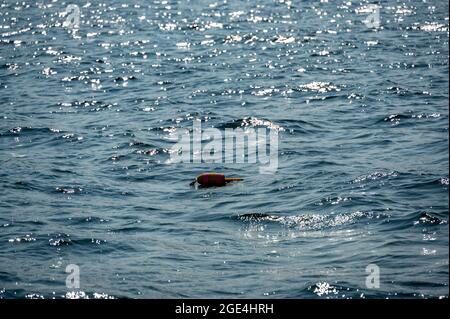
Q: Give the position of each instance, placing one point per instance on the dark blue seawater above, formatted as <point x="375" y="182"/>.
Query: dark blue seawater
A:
<point x="87" y="122"/>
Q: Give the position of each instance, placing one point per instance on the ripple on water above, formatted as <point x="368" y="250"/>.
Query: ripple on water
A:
<point x="309" y="221"/>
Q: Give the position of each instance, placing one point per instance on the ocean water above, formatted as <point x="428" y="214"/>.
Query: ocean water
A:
<point x="89" y="115"/>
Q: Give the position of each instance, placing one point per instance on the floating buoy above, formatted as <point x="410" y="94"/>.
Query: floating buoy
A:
<point x="214" y="179"/>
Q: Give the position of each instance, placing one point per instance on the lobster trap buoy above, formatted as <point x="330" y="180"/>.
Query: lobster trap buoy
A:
<point x="214" y="179"/>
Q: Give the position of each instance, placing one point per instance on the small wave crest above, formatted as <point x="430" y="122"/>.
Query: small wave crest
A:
<point x="308" y="221"/>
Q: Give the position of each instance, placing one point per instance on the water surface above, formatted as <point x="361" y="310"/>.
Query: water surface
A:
<point x="88" y="119"/>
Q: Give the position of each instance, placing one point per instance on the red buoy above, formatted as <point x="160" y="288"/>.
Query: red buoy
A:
<point x="215" y="179"/>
